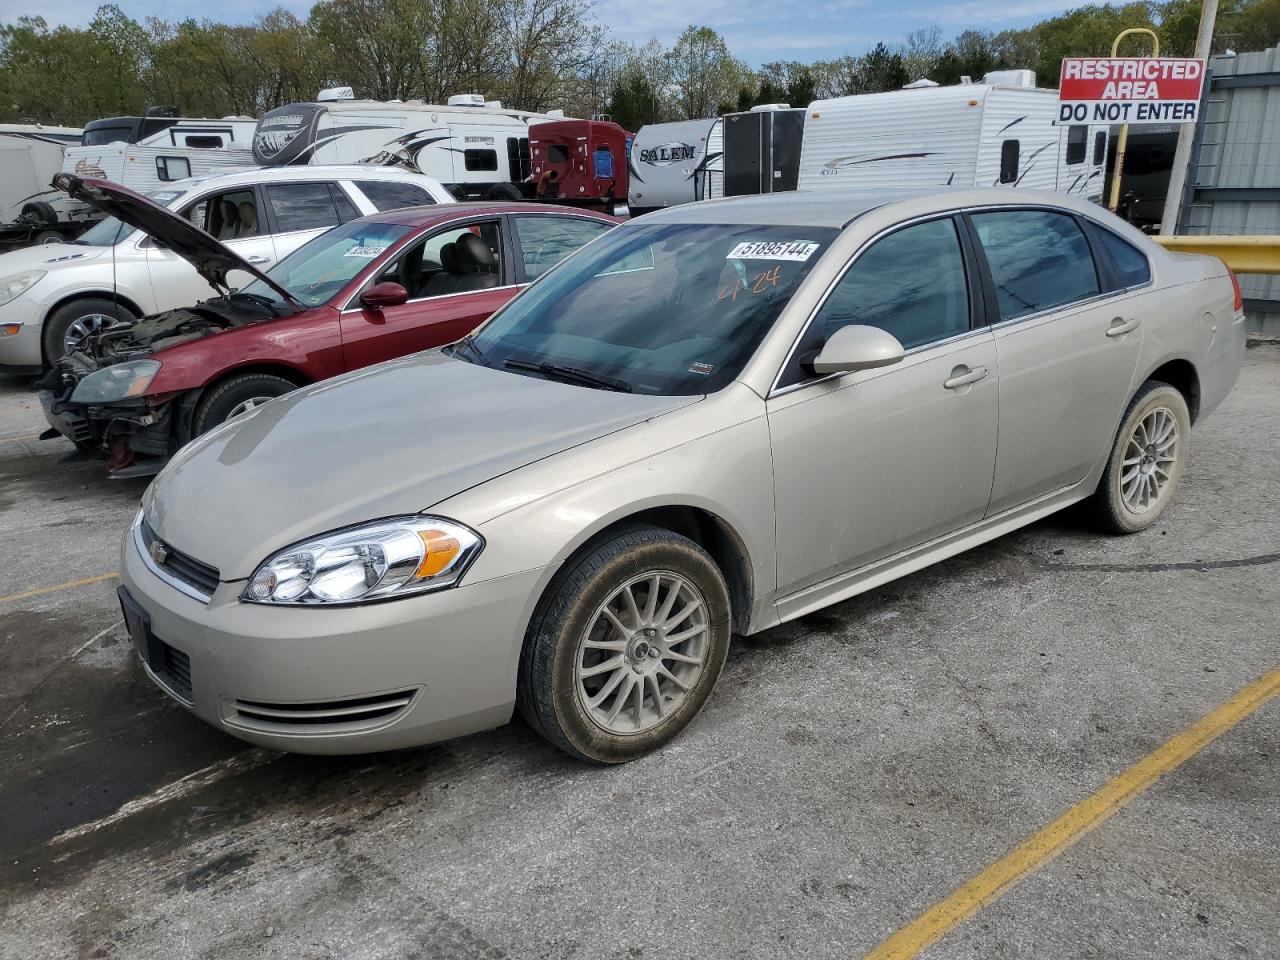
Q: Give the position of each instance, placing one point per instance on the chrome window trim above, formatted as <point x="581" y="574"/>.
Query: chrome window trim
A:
<point x="775" y="390"/>
<point x="179" y="585"/>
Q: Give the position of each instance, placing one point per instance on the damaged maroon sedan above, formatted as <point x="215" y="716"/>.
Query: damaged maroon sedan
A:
<point x="368" y="290"/>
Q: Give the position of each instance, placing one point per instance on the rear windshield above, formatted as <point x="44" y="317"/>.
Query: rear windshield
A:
<point x="672" y="309"/>
<point x="319" y="269"/>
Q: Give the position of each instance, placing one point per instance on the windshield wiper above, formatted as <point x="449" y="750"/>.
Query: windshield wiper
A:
<point x="554" y="371"/>
<point x="258" y="298"/>
<point x="470" y="343"/>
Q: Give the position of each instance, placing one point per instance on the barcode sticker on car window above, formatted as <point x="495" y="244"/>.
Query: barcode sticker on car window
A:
<point x="772" y="250"/>
<point x="366" y="252"/>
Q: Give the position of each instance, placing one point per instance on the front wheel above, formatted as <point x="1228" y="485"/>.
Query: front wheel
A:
<point x="626" y="646"/>
<point x="67" y="328"/>
<point x="1147" y="459"/>
<point x="235" y="396"/>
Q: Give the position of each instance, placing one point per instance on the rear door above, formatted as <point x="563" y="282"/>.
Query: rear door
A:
<point x="1068" y="346"/>
<point x="446" y="300"/>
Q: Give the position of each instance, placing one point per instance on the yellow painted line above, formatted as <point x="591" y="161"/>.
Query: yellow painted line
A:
<point x="25" y="436"/>
<point x="1032" y="854"/>
<point x="54" y="588"/>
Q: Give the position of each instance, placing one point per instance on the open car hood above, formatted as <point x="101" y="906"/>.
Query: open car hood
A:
<point x="212" y="259"/>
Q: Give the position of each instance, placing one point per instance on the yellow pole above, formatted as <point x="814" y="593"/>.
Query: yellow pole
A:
<point x="1124" y="130"/>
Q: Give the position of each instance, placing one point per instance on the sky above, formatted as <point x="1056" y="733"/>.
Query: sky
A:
<point x="756" y="31"/>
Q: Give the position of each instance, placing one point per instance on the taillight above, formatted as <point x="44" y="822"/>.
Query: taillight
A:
<point x="1235" y="286"/>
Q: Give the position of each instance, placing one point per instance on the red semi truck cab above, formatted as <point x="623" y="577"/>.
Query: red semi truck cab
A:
<point x="579" y="162"/>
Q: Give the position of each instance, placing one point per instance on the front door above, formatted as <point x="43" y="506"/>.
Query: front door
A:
<point x="1067" y="354"/>
<point x="455" y="278"/>
<point x="232" y="217"/>
<point x="871" y="463"/>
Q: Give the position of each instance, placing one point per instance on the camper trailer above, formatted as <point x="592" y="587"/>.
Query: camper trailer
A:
<point x="580" y="163"/>
<point x="476" y="148"/>
<point x="674" y="163"/>
<point x="30" y="154"/>
<point x="762" y="149"/>
<point x="1002" y="131"/>
<point x="171" y="148"/>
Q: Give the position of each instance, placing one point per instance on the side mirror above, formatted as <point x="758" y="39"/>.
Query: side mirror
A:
<point x="857" y="347"/>
<point x="385" y="294"/>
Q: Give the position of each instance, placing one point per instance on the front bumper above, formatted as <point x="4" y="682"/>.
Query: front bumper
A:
<point x="125" y="431"/>
<point x="22" y="350"/>
<point x="337" y="680"/>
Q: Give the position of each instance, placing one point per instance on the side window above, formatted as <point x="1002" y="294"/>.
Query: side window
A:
<point x="390" y="195"/>
<point x="545" y="241"/>
<point x="1099" y="148"/>
<point x="1009" y="151"/>
<point x="911" y="283"/>
<point x="453" y="260"/>
<point x="480" y="159"/>
<point x="227" y="216"/>
<point x="205" y="142"/>
<point x="1128" y="263"/>
<point x="1038" y="259"/>
<point x="346" y="209"/>
<point x="302" y="206"/>
<point x="172" y="168"/>
<point x="1077" y="143"/>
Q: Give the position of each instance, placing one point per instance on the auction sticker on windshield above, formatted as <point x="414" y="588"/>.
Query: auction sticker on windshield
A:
<point x="798" y="250"/>
<point x="367" y="252"/>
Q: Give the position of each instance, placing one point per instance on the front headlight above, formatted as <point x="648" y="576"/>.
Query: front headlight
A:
<point x="12" y="287"/>
<point x="396" y="557"/>
<point x="120" y="381"/>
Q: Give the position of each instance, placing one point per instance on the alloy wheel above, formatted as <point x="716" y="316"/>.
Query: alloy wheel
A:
<point x="1149" y="456"/>
<point x="642" y="653"/>
<point x="83" y="327"/>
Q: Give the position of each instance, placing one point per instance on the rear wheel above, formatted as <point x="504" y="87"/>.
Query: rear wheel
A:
<point x="66" y="328"/>
<point x="235" y="396"/>
<point x="1147" y="459"/>
<point x="625" y="647"/>
<point x="506" y="192"/>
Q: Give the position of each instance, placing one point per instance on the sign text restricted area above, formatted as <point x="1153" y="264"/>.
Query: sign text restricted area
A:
<point x="1130" y="90"/>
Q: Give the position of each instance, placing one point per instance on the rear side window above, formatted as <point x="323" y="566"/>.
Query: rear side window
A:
<point x="346" y="209"/>
<point x="302" y="206"/>
<point x="1039" y="260"/>
<point x="1077" y="143"/>
<point x="1009" y="153"/>
<point x="1128" y="263"/>
<point x="480" y="159"/>
<point x="911" y="284"/>
<point x="545" y="241"/>
<point x="389" y="195"/>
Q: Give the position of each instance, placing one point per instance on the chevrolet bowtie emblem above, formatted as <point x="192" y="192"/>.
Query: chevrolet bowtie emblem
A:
<point x="159" y="553"/>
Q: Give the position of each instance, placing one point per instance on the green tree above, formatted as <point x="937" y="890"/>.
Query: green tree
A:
<point x="703" y="72"/>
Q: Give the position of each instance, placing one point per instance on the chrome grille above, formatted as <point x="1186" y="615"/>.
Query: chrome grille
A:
<point x="181" y="566"/>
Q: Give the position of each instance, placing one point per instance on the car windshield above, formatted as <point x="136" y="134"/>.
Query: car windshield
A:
<point x="109" y="231"/>
<point x="321" y="267"/>
<point x="673" y="309"/>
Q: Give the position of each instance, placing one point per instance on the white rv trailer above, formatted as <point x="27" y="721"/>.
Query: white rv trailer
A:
<point x="30" y="154"/>
<point x="187" y="147"/>
<point x="674" y="163"/>
<point x="1001" y="131"/>
<point x="476" y="148"/>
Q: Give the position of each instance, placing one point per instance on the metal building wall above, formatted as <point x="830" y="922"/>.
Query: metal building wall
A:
<point x="1235" y="175"/>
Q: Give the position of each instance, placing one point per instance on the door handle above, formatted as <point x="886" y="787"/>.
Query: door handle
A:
<point x="258" y="259"/>
<point x="1120" y="326"/>
<point x="962" y="376"/>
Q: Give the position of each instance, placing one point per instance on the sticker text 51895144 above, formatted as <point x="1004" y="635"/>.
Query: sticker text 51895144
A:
<point x="799" y="250"/>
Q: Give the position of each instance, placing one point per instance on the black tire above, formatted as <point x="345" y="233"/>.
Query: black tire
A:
<point x="1109" y="505"/>
<point x="223" y="398"/>
<point x="50" y="236"/>
<point x="41" y="211"/>
<point x="505" y="192"/>
<point x="547" y="688"/>
<point x="61" y="320"/>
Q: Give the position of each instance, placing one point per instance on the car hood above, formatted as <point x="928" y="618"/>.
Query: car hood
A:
<point x="212" y="260"/>
<point x="391" y="439"/>
<point x="47" y="257"/>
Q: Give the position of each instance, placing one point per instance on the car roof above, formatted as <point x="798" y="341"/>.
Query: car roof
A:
<point x="349" y="171"/>
<point x="432" y="213"/>
<point x="837" y="207"/>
